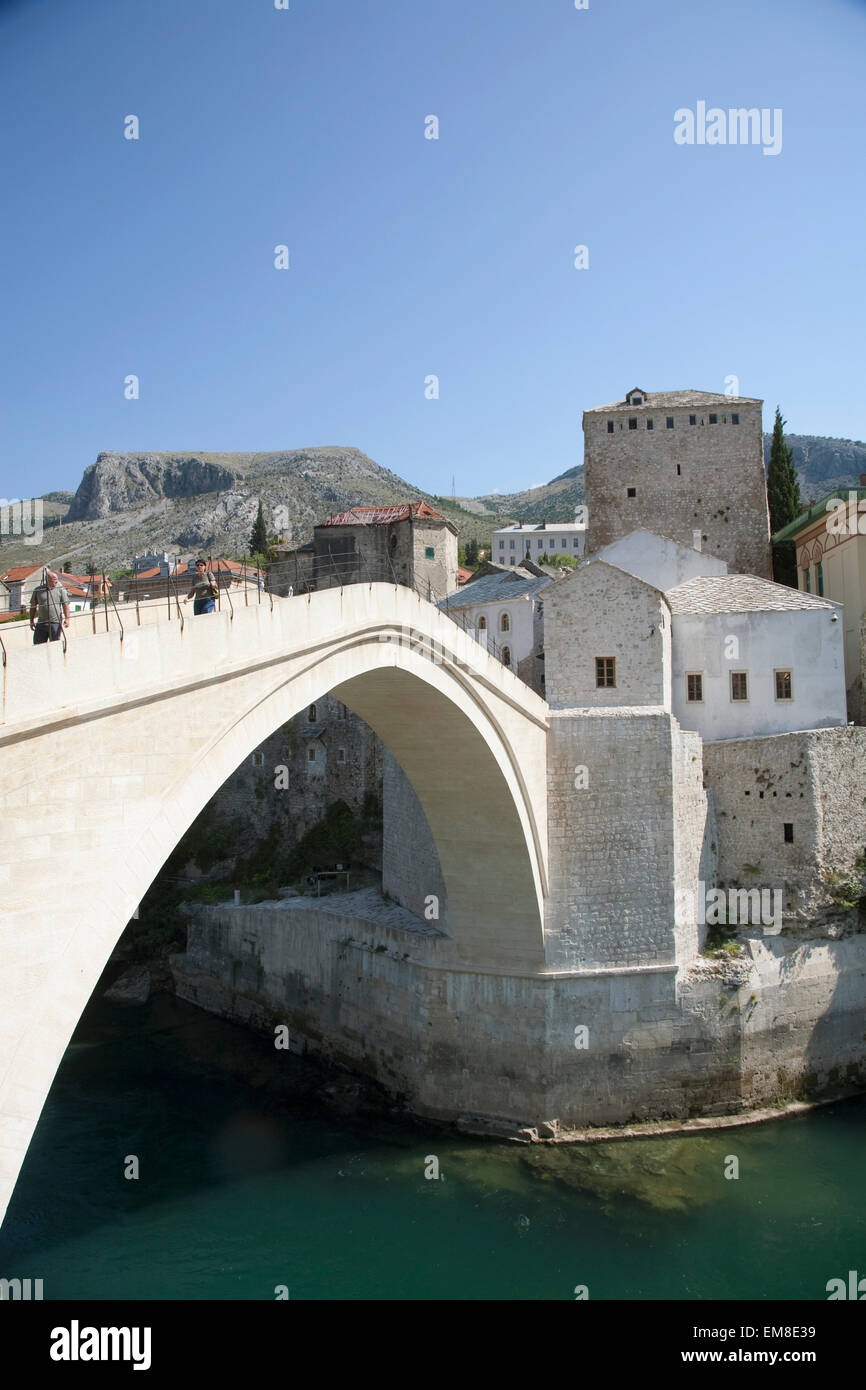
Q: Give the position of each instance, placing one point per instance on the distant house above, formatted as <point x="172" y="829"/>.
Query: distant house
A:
<point x="830" y="543"/>
<point x="174" y="576"/>
<point x="503" y="611"/>
<point x="20" y="581"/>
<point x="509" y="544"/>
<point x="407" y="543"/>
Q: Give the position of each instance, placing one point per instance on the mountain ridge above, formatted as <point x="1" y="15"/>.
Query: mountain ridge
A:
<point x="130" y="503"/>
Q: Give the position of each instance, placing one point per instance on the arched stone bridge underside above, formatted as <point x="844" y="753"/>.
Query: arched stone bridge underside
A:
<point x="109" y="751"/>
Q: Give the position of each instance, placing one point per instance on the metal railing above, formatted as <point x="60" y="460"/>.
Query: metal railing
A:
<point x="331" y="570"/>
<point x="342" y="569"/>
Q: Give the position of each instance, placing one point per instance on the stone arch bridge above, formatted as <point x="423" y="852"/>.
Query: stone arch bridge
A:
<point x="110" y="749"/>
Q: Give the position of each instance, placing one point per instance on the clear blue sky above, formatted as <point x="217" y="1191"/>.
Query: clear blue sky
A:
<point x="411" y="256"/>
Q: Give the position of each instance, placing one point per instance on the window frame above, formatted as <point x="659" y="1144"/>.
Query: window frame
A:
<point x="601" y="670"/>
<point x="699" y="677"/>
<point x="738" y="699"/>
<point x="783" y="671"/>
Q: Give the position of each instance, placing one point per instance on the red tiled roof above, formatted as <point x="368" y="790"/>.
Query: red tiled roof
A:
<point x="463" y="574"/>
<point x="19" y="572"/>
<point x="381" y="516"/>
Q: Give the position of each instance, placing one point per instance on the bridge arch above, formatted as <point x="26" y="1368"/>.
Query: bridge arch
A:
<point x="137" y="736"/>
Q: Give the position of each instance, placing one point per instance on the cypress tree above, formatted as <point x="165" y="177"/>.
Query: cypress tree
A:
<point x="783" y="489"/>
<point x="783" y="500"/>
<point x="259" y="534"/>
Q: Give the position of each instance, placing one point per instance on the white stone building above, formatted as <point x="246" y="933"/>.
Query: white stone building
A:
<point x="502" y="610"/>
<point x="510" y="544"/>
<point x="730" y="656"/>
<point x="750" y="657"/>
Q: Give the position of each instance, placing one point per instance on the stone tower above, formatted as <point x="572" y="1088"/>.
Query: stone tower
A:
<point x="688" y="465"/>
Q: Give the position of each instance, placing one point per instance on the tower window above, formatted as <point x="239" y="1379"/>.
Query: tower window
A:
<point x="631" y="492"/>
<point x="693" y="419"/>
<point x="735" y="419"/>
<point x="341" y="755"/>
<point x="819" y="574"/>
<point x="311" y="753"/>
<point x="679" y="471"/>
<point x="714" y="419"/>
<point x="739" y="685"/>
<point x="632" y="424"/>
<point x="649" y="424"/>
<point x="669" y="422"/>
<point x="610" y="426"/>
<point x="605" y="671"/>
<point x="311" y="714"/>
<point x="788" y="828"/>
<point x="258" y="760"/>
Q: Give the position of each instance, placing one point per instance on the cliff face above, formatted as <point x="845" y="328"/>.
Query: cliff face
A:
<point x="120" y="482"/>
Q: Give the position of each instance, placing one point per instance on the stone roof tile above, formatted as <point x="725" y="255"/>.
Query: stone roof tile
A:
<point x="739" y="593"/>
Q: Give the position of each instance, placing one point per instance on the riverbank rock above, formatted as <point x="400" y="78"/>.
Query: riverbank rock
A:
<point x="132" y="987"/>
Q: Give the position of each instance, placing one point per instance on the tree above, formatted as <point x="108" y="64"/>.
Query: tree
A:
<point x="472" y="553"/>
<point x="783" y="489"/>
<point x="783" y="500"/>
<point x="259" y="533"/>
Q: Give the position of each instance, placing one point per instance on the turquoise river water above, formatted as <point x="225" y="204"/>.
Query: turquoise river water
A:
<point x="259" y="1170"/>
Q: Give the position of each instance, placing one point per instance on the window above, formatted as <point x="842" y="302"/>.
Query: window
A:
<point x="695" y="687"/>
<point x="649" y="424"/>
<point x="540" y="545"/>
<point x="605" y="671"/>
<point x="482" y="623"/>
<point x="693" y="419"/>
<point x="506" y="656"/>
<point x="714" y="419"/>
<point x="504" y="623"/>
<point x="610" y="426"/>
<point x="784" y="689"/>
<point x="311" y="753"/>
<point x="341" y="755"/>
<point x="788" y="828"/>
<point x="429" y="552"/>
<point x="311" y="714"/>
<point x="512" y="561"/>
<point x="735" y="419"/>
<point x="819" y="573"/>
<point x="807" y="581"/>
<point x="679" y="471"/>
<point x="563" y="544"/>
<point x="669" y="422"/>
<point x="739" y="685"/>
<point x="631" y="492"/>
<point x="632" y="424"/>
<point x="258" y="760"/>
<point x="511" y="544"/>
<point x="501" y="543"/>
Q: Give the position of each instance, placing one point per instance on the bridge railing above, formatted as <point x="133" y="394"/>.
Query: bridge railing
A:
<point x="340" y="568"/>
<point x="332" y="570"/>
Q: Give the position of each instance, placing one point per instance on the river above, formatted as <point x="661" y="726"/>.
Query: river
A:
<point x="251" y="1183"/>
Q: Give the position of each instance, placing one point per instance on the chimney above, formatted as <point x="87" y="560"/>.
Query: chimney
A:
<point x="696" y="540"/>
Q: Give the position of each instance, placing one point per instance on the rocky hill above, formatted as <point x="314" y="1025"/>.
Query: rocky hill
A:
<point x="130" y="503"/>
